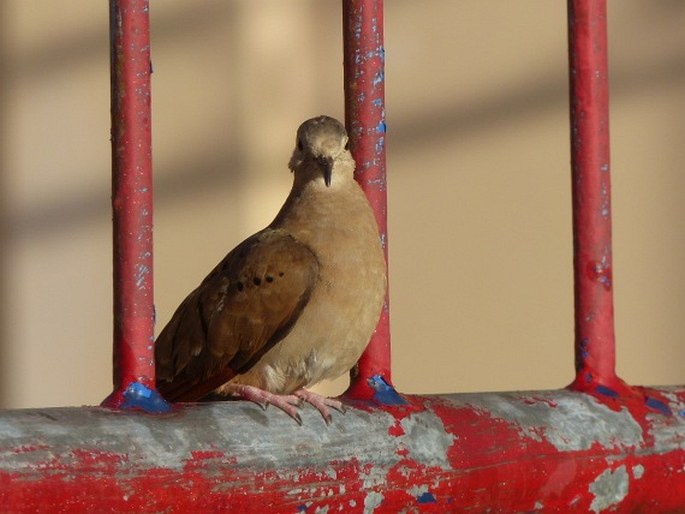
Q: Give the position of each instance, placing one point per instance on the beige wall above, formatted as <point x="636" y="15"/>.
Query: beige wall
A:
<point x="480" y="241"/>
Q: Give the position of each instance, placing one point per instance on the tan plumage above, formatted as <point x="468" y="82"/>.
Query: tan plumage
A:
<point x="295" y="303"/>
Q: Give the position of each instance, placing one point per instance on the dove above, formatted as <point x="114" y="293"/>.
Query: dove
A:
<point x="294" y="304"/>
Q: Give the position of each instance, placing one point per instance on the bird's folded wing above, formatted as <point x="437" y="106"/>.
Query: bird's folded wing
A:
<point x="245" y="306"/>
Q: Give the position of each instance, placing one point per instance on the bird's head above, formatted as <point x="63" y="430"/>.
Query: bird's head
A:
<point x="321" y="151"/>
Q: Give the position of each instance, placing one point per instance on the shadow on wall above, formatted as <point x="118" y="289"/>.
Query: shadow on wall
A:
<point x="4" y="223"/>
<point x="190" y="174"/>
<point x="203" y="169"/>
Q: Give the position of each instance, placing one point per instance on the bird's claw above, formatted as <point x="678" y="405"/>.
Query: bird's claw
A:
<point x="321" y="403"/>
<point x="290" y="403"/>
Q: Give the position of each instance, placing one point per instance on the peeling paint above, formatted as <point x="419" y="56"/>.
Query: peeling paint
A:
<point x="421" y="493"/>
<point x="609" y="489"/>
<point x="372" y="500"/>
<point x="426" y="439"/>
<point x="141" y="272"/>
<point x="432" y="454"/>
<point x="576" y="422"/>
<point x="666" y="435"/>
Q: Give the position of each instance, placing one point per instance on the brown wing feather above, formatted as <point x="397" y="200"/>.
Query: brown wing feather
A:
<point x="247" y="304"/>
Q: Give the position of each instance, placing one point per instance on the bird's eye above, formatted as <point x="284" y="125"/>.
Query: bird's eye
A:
<point x="300" y="146"/>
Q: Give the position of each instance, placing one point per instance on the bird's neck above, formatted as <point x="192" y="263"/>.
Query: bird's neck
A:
<point x="321" y="206"/>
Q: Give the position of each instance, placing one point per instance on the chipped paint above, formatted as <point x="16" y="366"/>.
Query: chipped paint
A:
<point x="591" y="191"/>
<point x="364" y="79"/>
<point x="609" y="489"/>
<point x="573" y="422"/>
<point x="666" y="435"/>
<point x="432" y="452"/>
<point x="418" y="490"/>
<point x="132" y="209"/>
<point x="426" y="440"/>
<point x="372" y="500"/>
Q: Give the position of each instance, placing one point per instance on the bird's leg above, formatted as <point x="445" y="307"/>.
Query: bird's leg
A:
<point x="321" y="403"/>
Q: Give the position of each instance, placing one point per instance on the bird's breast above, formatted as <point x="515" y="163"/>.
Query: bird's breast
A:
<point x="337" y="322"/>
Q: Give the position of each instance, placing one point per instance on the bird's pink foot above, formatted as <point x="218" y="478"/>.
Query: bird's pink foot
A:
<point x="321" y="403"/>
<point x="288" y="403"/>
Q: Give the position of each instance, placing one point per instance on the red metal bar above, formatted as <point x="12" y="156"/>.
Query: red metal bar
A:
<point x="364" y="78"/>
<point x="545" y="452"/>
<point x="589" y="106"/>
<point x="134" y="368"/>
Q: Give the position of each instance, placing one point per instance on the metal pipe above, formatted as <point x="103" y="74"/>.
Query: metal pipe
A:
<point x="134" y="368"/>
<point x="364" y="79"/>
<point x="589" y="108"/>
<point x="542" y="451"/>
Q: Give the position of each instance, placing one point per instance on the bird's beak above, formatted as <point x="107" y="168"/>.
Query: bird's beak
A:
<point x="327" y="167"/>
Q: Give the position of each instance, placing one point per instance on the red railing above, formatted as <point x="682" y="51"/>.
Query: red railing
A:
<point x="364" y="62"/>
<point x="591" y="186"/>
<point x="597" y="446"/>
<point x="134" y="311"/>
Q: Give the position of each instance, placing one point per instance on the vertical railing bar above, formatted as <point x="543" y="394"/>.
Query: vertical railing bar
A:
<point x="134" y="368"/>
<point x="364" y="82"/>
<point x="589" y="115"/>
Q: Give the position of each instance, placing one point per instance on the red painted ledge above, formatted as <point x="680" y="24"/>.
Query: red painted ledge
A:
<point x="544" y="451"/>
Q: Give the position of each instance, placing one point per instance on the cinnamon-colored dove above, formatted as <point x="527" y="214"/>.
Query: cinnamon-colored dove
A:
<point x="295" y="303"/>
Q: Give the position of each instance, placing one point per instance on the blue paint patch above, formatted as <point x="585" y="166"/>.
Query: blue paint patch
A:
<point x="379" y="78"/>
<point x="583" y="348"/>
<point x="426" y="497"/>
<point x="302" y="508"/>
<point x="681" y="413"/>
<point x="381" y="127"/>
<point x="139" y="396"/>
<point x="606" y="391"/>
<point x="385" y="394"/>
<point x="378" y="102"/>
<point x="658" y="405"/>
